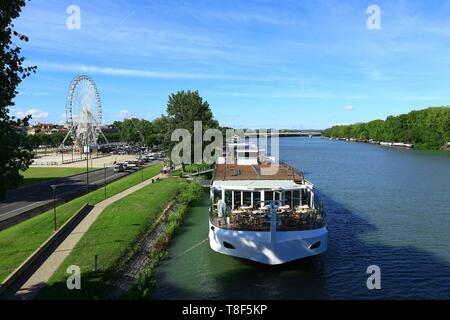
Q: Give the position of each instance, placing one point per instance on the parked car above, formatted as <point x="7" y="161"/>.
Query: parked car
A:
<point x="143" y="160"/>
<point x="132" y="164"/>
<point x="119" y="167"/>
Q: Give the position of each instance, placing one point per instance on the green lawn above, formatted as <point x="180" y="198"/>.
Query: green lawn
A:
<point x="38" y="174"/>
<point x="19" y="241"/>
<point x="111" y="235"/>
<point x="176" y="173"/>
<point x="192" y="168"/>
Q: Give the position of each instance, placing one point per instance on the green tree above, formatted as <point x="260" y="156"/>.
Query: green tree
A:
<point x="139" y="131"/>
<point x="161" y="131"/>
<point x="428" y="128"/>
<point x="129" y="131"/>
<point x="183" y="109"/>
<point x="16" y="152"/>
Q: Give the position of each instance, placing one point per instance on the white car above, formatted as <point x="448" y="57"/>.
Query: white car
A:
<point x="131" y="164"/>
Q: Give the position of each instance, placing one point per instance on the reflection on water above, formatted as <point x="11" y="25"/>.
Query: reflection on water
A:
<point x="385" y="207"/>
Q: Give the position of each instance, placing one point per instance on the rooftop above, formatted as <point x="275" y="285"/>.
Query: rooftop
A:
<point x="256" y="172"/>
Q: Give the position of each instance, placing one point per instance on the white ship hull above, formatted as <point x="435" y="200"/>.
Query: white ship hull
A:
<point x="272" y="248"/>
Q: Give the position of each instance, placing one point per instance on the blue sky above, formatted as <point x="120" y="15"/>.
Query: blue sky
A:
<point x="274" y="64"/>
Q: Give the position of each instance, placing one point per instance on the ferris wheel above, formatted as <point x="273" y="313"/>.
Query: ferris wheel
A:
<point x="83" y="112"/>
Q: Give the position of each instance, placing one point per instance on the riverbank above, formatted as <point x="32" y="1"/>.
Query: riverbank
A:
<point x="388" y="144"/>
<point x="154" y="246"/>
<point x="117" y="237"/>
<point x="426" y="129"/>
<point x="381" y="143"/>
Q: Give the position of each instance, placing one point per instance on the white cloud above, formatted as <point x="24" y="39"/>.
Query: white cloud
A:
<point x="36" y="114"/>
<point x="145" y="73"/>
<point x="349" y="108"/>
<point x="124" y="114"/>
<point x="120" y="71"/>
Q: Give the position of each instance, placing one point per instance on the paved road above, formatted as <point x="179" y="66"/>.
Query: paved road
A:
<point x="30" y="197"/>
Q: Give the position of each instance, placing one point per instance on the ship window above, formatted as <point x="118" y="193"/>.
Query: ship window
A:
<point x="228" y="198"/>
<point x="247" y="198"/>
<point x="268" y="195"/>
<point x="304" y="197"/>
<point x="217" y="195"/>
<point x="237" y="199"/>
<point x="287" y="198"/>
<point x="296" y="198"/>
<point x="277" y="195"/>
<point x="257" y="198"/>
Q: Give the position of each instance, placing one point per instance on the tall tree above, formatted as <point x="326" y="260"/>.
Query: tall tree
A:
<point x="183" y="109"/>
<point x="16" y="152"/>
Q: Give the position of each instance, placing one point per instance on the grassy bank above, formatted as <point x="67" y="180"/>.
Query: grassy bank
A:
<point x="38" y="174"/>
<point x="144" y="284"/>
<point x="111" y="235"/>
<point x="193" y="168"/>
<point x="19" y="241"/>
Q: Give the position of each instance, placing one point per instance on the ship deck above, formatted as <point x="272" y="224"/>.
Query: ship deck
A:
<point x="305" y="219"/>
<point x="280" y="171"/>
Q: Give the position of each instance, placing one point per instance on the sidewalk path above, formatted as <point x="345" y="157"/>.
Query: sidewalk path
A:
<point x="46" y="270"/>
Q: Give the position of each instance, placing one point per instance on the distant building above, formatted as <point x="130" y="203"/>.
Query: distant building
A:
<point x="32" y="131"/>
<point x="48" y="129"/>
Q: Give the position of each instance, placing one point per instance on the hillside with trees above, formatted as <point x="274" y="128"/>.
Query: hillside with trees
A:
<point x="428" y="128"/>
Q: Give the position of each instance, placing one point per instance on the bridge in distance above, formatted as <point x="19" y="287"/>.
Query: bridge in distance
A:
<point x="289" y="134"/>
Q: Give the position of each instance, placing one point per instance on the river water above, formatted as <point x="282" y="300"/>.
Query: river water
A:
<point x="386" y="207"/>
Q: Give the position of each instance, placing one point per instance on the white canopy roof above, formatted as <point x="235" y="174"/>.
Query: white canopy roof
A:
<point x="256" y="184"/>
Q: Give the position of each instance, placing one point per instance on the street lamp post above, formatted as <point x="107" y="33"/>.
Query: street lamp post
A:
<point x="54" y="203"/>
<point x="104" y="167"/>
<point x="87" y="169"/>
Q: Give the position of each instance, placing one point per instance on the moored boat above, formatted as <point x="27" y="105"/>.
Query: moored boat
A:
<point x="269" y="218"/>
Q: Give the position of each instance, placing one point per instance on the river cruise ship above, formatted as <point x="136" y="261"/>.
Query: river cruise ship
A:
<point x="263" y="210"/>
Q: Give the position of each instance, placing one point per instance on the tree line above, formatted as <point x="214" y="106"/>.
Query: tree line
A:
<point x="183" y="109"/>
<point x="428" y="128"/>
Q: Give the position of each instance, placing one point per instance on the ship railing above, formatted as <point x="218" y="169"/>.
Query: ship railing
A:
<point x="259" y="219"/>
<point x="294" y="170"/>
